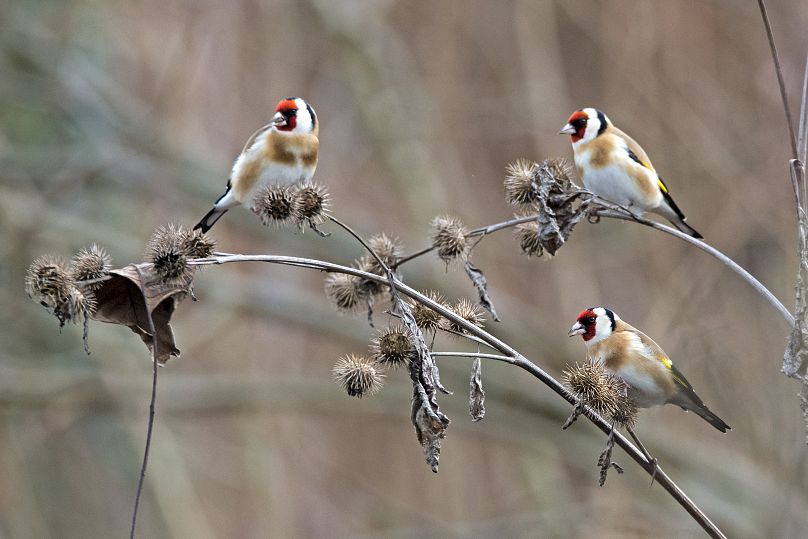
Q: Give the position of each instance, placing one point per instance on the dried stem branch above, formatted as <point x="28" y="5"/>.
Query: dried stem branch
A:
<point x="482" y="231"/>
<point x="495" y="357"/>
<point x="781" y="82"/>
<point x="516" y="359"/>
<point x="622" y="213"/>
<point x="614" y="211"/>
<point x="150" y="427"/>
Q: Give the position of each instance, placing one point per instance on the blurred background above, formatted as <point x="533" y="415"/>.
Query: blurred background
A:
<point x="117" y="117"/>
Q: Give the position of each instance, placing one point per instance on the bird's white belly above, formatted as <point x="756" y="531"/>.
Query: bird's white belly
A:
<point x="642" y="387"/>
<point x="612" y="183"/>
<point x="284" y="174"/>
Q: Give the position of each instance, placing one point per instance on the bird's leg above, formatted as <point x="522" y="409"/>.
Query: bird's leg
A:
<point x="645" y="453"/>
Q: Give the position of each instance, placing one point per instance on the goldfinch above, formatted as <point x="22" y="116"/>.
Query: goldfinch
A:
<point x="613" y="166"/>
<point x="283" y="151"/>
<point x="632" y="356"/>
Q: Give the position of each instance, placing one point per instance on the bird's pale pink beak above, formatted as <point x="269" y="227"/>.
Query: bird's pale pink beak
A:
<point x="568" y="130"/>
<point x="278" y="120"/>
<point x="577" y="329"/>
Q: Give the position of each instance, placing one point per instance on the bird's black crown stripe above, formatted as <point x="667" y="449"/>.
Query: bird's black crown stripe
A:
<point x="610" y="314"/>
<point x="603" y="123"/>
<point x="313" y="116"/>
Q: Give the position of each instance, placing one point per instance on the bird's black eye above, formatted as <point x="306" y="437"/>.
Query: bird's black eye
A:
<point x="290" y="112"/>
<point x="580" y="122"/>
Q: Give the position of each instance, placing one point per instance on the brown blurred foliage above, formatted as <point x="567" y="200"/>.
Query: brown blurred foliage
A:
<point x="117" y="117"/>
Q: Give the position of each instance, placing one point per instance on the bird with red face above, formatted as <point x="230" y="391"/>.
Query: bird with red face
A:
<point x="613" y="166"/>
<point x="282" y="152"/>
<point x="632" y="356"/>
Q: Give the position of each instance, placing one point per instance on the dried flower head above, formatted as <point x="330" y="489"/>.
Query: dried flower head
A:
<point x="198" y="245"/>
<point x="90" y="264"/>
<point x="426" y="318"/>
<point x="275" y="204"/>
<point x="388" y="248"/>
<point x="530" y="241"/>
<point x="394" y="347"/>
<point x="625" y="411"/>
<point x="468" y="311"/>
<point x="166" y="251"/>
<point x="311" y="204"/>
<point x="344" y="290"/>
<point x="358" y="375"/>
<point x="593" y="385"/>
<point x="48" y="281"/>
<point x="520" y="185"/>
<point x="449" y="237"/>
<point x="79" y="305"/>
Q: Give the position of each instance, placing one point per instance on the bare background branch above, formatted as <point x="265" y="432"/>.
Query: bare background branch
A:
<point x="119" y="116"/>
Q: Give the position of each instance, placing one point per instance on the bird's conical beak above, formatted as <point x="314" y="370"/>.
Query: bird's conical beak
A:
<point x="278" y="120"/>
<point x="567" y="130"/>
<point x="577" y="329"/>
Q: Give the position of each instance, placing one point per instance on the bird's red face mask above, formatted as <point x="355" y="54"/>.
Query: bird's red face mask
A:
<point x="585" y="325"/>
<point x="576" y="126"/>
<point x="285" y="118"/>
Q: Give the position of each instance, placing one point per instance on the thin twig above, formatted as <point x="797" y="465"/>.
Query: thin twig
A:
<point x="495" y="357"/>
<point x="780" y="81"/>
<point x="802" y="140"/>
<point x="482" y="231"/>
<point x="518" y="360"/>
<point x="150" y="427"/>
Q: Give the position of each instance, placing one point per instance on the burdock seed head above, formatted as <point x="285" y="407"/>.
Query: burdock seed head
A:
<point x="275" y="204"/>
<point x="388" y="248"/>
<point x="529" y="238"/>
<point x="393" y="347"/>
<point x="358" y="375"/>
<point x="48" y="281"/>
<point x="468" y="311"/>
<point x="166" y="250"/>
<point x="449" y="237"/>
<point x="344" y="290"/>
<point x="90" y="264"/>
<point x="198" y="245"/>
<point x="625" y="411"/>
<point x="311" y="204"/>
<point x="557" y="170"/>
<point x="78" y="306"/>
<point x="426" y="318"/>
<point x="592" y="384"/>
<point x="520" y="186"/>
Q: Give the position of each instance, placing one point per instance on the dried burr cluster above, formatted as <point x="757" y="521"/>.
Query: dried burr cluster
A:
<point x="280" y="204"/>
<point x="546" y="191"/>
<point x="351" y="293"/>
<point x="67" y="290"/>
<point x="88" y="287"/>
<point x="393" y="347"/>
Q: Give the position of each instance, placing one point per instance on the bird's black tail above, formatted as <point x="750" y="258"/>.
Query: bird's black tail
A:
<point x="708" y="416"/>
<point x="210" y="219"/>
<point x="687" y="229"/>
